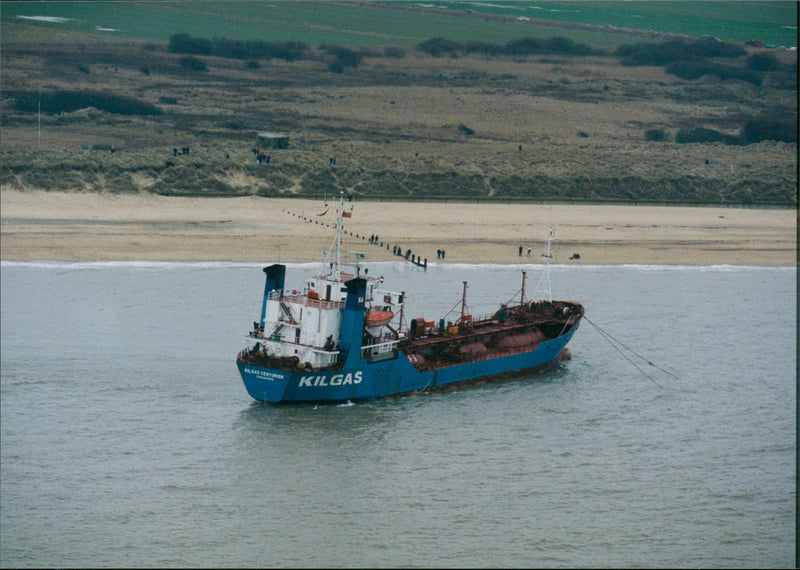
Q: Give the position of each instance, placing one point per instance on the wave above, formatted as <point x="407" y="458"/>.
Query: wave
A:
<point x="598" y="267"/>
<point x="395" y="265"/>
<point x="128" y="264"/>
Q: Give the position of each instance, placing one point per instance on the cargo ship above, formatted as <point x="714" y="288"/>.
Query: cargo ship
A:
<point x="343" y="337"/>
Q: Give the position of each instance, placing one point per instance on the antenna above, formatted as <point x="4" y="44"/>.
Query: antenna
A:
<point x="544" y="281"/>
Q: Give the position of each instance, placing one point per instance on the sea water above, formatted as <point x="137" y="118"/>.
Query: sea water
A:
<point x="128" y="438"/>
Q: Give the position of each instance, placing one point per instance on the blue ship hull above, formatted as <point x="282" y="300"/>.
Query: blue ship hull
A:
<point x="368" y="380"/>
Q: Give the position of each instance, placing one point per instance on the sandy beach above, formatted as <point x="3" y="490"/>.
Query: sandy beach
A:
<point x="41" y="225"/>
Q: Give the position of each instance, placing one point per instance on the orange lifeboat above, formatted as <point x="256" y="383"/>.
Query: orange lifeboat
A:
<point x="378" y="318"/>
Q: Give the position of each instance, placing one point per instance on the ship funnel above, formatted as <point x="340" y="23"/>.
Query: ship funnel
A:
<point x="276" y="275"/>
<point x="353" y="319"/>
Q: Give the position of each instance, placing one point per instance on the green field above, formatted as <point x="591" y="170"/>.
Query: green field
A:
<point x="771" y="22"/>
<point x="408" y="23"/>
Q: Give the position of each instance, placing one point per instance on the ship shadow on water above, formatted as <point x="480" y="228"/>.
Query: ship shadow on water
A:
<point x="297" y="438"/>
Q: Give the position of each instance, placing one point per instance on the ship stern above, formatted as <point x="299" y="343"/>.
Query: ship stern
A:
<point x="264" y="384"/>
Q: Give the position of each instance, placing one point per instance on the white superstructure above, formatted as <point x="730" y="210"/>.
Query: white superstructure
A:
<point x="307" y="324"/>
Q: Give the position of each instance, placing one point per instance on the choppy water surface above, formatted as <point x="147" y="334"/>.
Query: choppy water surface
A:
<point x="128" y="438"/>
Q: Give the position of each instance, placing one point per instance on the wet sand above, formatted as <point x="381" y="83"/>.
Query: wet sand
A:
<point x="41" y="225"/>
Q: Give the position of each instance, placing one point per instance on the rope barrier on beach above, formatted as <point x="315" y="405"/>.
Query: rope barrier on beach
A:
<point x="414" y="259"/>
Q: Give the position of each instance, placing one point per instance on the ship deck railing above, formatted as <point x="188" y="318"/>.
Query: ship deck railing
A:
<point x="303" y="299"/>
<point x="482" y="319"/>
<point x="478" y="328"/>
<point x="379" y="351"/>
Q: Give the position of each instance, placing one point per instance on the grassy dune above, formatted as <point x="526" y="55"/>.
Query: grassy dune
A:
<point x="400" y="125"/>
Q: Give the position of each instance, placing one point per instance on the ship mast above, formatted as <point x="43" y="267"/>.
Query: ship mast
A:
<point x="464" y="302"/>
<point x="544" y="281"/>
<point x="339" y="233"/>
<point x="333" y="255"/>
<point x="547" y="256"/>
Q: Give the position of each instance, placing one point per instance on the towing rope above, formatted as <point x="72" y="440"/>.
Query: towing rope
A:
<point x="617" y="344"/>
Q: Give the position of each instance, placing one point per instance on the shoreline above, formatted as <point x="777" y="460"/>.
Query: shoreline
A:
<point x="58" y="226"/>
<point x="55" y="263"/>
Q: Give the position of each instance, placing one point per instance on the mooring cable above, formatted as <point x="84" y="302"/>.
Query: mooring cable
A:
<point x="612" y="340"/>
